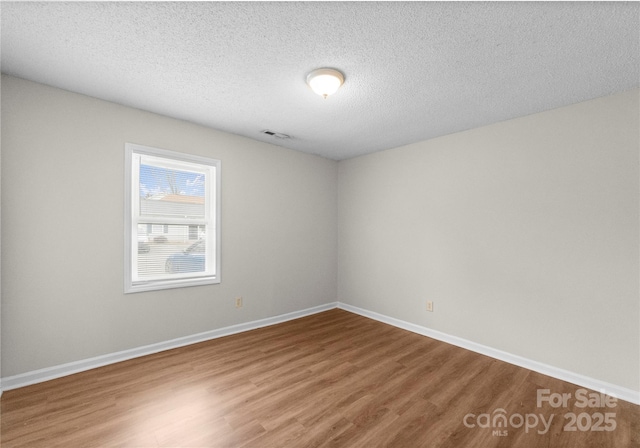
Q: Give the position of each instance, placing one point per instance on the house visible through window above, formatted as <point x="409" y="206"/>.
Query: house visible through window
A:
<point x="172" y="224"/>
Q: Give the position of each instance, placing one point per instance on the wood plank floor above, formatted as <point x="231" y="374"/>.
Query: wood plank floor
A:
<point x="331" y="379"/>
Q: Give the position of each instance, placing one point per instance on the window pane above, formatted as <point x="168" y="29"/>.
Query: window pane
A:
<point x="172" y="222"/>
<point x="172" y="252"/>
<point x="171" y="192"/>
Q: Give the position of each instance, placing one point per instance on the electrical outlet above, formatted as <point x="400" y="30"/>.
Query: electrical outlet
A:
<point x="238" y="302"/>
<point x="429" y="305"/>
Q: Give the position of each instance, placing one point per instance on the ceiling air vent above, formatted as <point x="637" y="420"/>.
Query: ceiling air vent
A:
<point x="275" y="134"/>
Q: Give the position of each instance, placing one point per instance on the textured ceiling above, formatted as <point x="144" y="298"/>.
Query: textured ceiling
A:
<point x="413" y="70"/>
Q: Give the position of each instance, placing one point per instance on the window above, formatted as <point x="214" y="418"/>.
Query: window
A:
<point x="172" y="219"/>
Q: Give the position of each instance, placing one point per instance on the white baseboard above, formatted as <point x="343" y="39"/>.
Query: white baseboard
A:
<point x="613" y="390"/>
<point x="50" y="373"/>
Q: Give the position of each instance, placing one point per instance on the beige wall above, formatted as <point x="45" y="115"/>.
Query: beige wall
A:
<point x="523" y="233"/>
<point x="62" y="228"/>
<point x="0" y="240"/>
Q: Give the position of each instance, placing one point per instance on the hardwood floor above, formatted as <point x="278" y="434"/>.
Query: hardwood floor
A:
<point x="331" y="379"/>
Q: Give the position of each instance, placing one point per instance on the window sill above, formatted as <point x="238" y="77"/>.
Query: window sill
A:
<point x="170" y="284"/>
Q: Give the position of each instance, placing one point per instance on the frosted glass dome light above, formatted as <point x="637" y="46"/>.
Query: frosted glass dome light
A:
<point x="325" y="81"/>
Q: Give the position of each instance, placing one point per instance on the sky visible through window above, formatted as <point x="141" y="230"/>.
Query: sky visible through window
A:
<point x="156" y="180"/>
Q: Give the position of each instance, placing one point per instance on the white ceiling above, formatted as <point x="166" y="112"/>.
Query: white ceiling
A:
<point x="413" y="70"/>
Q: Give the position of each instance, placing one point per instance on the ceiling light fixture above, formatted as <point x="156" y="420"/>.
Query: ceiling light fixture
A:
<point x="325" y="81"/>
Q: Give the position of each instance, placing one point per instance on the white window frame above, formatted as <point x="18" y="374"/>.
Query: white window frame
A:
<point x="132" y="218"/>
